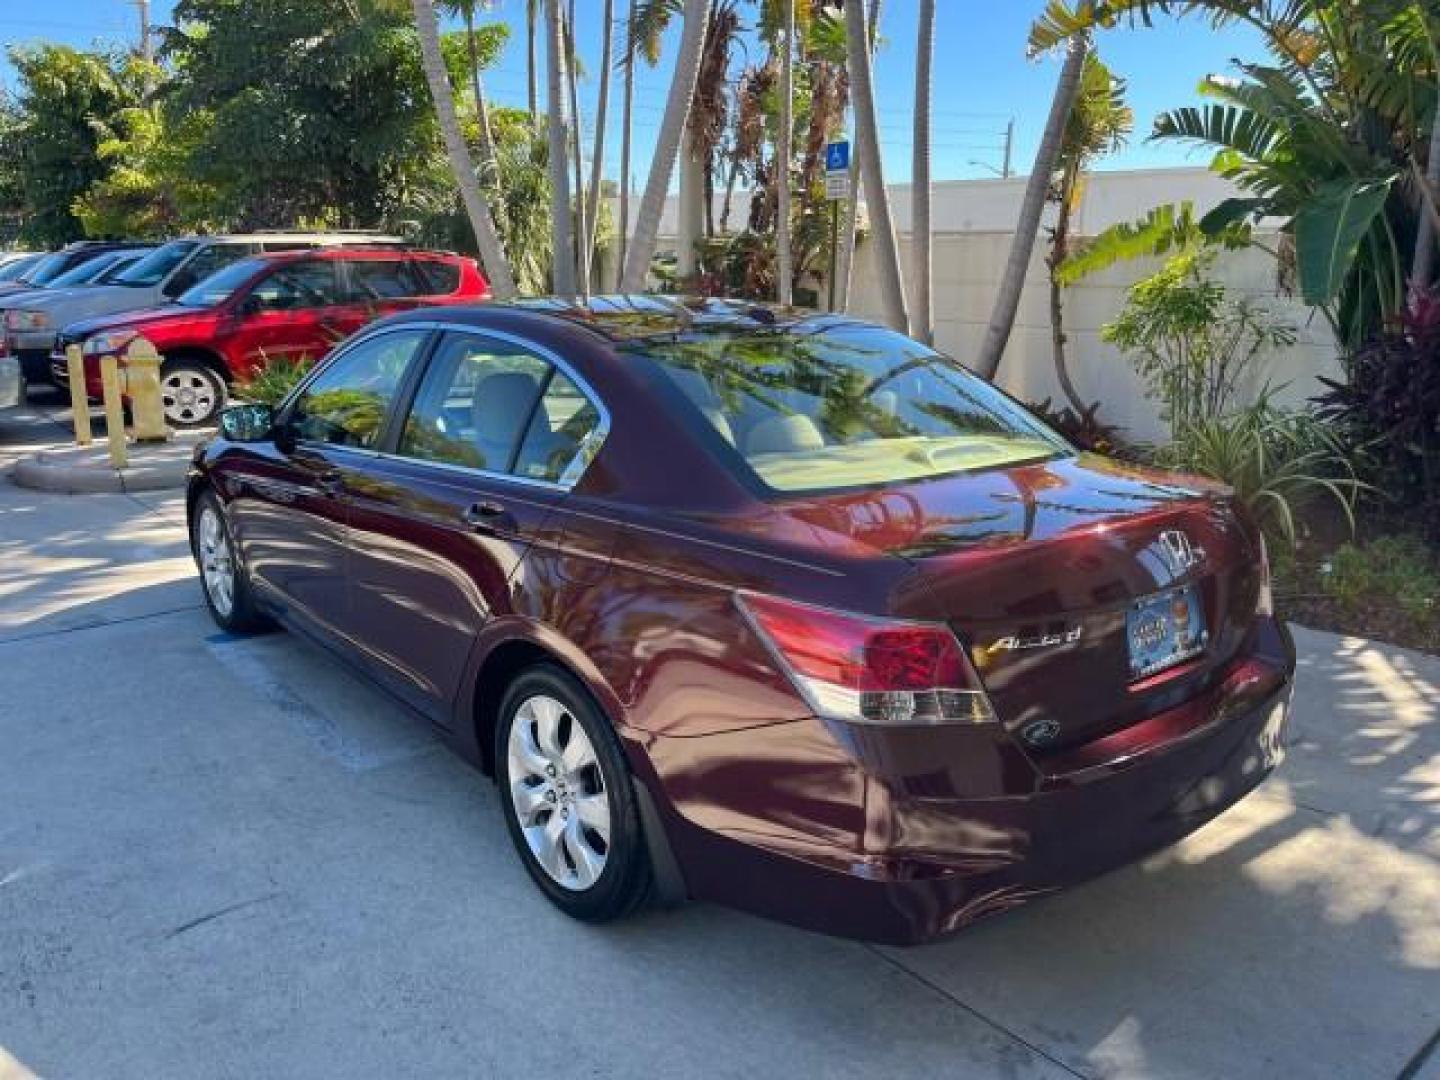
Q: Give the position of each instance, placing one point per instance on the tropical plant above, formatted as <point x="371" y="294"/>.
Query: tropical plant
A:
<point x="1083" y="427"/>
<point x="1280" y="465"/>
<point x="1100" y="122"/>
<point x="1331" y="137"/>
<point x="1191" y="341"/>
<point x="862" y="87"/>
<point x="1166" y="230"/>
<point x="497" y="267"/>
<point x="602" y="120"/>
<point x="271" y="382"/>
<point x="562" y="235"/>
<point x="785" y="280"/>
<point x="850" y="229"/>
<point x="1390" y="398"/>
<point x="1022" y="246"/>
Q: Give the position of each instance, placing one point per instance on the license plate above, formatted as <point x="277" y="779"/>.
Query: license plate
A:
<point x="1164" y="630"/>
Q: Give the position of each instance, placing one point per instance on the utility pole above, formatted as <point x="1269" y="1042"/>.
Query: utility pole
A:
<point x="1009" y="147"/>
<point x="146" y="51"/>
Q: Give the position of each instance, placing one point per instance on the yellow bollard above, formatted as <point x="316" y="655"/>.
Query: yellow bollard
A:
<point x="114" y="410"/>
<point x="79" y="399"/>
<point x="142" y="386"/>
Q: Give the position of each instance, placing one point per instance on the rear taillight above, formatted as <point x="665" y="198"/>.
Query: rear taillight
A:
<point x="1265" y="604"/>
<point x="870" y="671"/>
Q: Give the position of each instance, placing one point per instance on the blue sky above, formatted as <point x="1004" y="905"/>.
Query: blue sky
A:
<point x="982" y="79"/>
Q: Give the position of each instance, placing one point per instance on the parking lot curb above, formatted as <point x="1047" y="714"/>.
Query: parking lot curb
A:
<point x="87" y="470"/>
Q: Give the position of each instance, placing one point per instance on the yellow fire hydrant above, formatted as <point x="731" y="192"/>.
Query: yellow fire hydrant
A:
<point x="142" y="386"/>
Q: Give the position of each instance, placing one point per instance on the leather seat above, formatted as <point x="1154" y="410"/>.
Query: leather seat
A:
<point x="498" y="412"/>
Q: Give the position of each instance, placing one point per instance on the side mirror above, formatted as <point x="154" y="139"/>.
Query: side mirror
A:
<point x="248" y="423"/>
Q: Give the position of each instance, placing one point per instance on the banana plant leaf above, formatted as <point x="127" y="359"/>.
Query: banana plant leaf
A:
<point x="1329" y="230"/>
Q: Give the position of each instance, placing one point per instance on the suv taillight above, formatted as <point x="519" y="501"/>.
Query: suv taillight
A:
<point x="870" y="671"/>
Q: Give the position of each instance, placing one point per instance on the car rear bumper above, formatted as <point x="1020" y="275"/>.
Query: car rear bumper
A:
<point x="919" y="867"/>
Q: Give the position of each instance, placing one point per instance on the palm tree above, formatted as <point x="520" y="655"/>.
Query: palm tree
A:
<point x="672" y="129"/>
<point x="602" y="118"/>
<point x="1012" y="283"/>
<point x="563" y="273"/>
<point x="892" y="282"/>
<point x="846" y="261"/>
<point x="582" y="230"/>
<point x="497" y="267"/>
<point x="466" y="10"/>
<point x="785" y="276"/>
<point x="921" y="257"/>
<point x="1099" y="123"/>
<point x="532" y="58"/>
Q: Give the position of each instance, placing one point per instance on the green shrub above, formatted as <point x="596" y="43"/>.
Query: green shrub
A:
<point x="272" y="381"/>
<point x="1278" y="463"/>
<point x="1400" y="574"/>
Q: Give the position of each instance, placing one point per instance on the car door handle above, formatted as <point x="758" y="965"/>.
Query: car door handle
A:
<point x="331" y="483"/>
<point x="483" y="515"/>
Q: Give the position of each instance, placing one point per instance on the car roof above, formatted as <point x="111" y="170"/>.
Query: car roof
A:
<point x="631" y="318"/>
<point x="357" y="251"/>
<point x="320" y="239"/>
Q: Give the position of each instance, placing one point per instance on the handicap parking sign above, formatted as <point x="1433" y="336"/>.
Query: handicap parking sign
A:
<point x="837" y="157"/>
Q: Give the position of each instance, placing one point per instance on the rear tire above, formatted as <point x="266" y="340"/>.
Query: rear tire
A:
<point x="568" y="799"/>
<point x="223" y="579"/>
<point x="191" y="393"/>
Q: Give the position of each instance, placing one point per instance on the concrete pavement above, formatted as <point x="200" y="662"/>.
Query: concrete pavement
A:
<point x="230" y="858"/>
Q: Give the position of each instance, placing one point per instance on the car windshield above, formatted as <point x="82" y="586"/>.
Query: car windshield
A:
<point x="16" y="268"/>
<point x="89" y="270"/>
<point x="155" y="267"/>
<point x="221" y="285"/>
<point x="47" y="269"/>
<point x="846" y="406"/>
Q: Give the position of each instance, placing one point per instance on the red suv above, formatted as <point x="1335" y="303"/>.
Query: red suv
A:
<point x="290" y="305"/>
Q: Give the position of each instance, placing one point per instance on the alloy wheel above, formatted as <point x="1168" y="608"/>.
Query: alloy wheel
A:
<point x="189" y="396"/>
<point x="558" y="793"/>
<point x="217" y="565"/>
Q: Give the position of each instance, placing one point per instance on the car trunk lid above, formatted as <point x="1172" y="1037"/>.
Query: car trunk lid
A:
<point x="1040" y="569"/>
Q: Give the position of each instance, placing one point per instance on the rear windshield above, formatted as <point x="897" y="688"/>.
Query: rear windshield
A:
<point x="847" y="406"/>
<point x="156" y="266"/>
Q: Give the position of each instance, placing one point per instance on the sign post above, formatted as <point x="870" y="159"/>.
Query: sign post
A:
<point x="837" y="190"/>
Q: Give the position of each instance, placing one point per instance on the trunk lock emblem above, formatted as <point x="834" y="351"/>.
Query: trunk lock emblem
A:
<point x="1041" y="732"/>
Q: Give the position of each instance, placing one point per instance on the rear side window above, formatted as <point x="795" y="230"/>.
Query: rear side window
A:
<point x="346" y="404"/>
<point x="381" y="279"/>
<point x="206" y="261"/>
<point x="436" y="278"/>
<point x="474" y="403"/>
<point x="560" y="428"/>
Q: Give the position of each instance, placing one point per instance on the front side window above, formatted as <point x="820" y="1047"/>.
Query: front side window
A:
<point x="346" y="404"/>
<point x="294" y="286"/>
<point x="846" y="406"/>
<point x="474" y="403"/>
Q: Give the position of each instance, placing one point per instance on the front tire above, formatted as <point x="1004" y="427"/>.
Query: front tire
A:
<point x="567" y="797"/>
<point x="191" y="393"/>
<point x="223" y="580"/>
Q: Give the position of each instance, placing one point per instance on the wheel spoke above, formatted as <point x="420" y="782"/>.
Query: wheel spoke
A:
<point x="588" y="862"/>
<point x="548" y="716"/>
<point x="594" y="812"/>
<point x="529" y="800"/>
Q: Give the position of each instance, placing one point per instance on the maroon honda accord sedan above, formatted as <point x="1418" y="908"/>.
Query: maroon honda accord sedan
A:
<point x="792" y="614"/>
